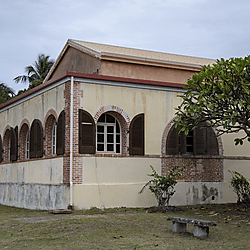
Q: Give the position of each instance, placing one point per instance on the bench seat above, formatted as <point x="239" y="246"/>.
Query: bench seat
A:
<point x="201" y="227"/>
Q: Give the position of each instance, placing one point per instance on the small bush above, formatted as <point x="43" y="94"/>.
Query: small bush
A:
<point x="240" y="186"/>
<point x="163" y="186"/>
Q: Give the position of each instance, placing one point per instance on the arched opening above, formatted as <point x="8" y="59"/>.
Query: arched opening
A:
<point x="24" y="142"/>
<point x="108" y="134"/>
<point x="50" y="136"/>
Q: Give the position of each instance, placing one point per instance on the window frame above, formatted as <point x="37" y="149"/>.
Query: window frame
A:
<point x="27" y="145"/>
<point x="117" y="144"/>
<point x="54" y="139"/>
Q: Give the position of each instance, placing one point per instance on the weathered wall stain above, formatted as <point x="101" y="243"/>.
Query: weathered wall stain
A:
<point x="209" y="192"/>
<point x="34" y="196"/>
<point x="195" y="194"/>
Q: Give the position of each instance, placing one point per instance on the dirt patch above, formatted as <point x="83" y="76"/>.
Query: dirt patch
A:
<point x="163" y="209"/>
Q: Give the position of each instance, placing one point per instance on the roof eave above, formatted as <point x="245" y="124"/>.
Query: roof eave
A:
<point x="88" y="76"/>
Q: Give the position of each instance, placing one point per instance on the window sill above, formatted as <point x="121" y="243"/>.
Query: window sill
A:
<point x="110" y="155"/>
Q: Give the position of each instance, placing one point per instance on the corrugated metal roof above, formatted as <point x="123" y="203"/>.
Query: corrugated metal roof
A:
<point x="102" y="49"/>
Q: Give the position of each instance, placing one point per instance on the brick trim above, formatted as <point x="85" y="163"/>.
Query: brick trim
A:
<point x="114" y="108"/>
<point x="7" y="127"/>
<point x="50" y="112"/>
<point x="24" y="121"/>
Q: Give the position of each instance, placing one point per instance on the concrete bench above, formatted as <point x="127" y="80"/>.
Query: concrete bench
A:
<point x="201" y="227"/>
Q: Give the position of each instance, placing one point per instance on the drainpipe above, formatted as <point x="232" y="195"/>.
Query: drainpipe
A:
<point x="71" y="143"/>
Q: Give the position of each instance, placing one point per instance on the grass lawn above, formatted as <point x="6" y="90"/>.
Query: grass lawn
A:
<point x="123" y="228"/>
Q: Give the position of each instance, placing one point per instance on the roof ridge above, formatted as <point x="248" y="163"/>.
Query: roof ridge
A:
<point x="95" y="44"/>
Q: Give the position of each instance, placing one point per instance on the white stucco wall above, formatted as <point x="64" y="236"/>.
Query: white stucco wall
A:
<point x="157" y="105"/>
<point x="114" y="182"/>
<point x="36" y="184"/>
<point x="229" y="145"/>
<point x="119" y="184"/>
<point x="45" y="171"/>
<point x="34" y="108"/>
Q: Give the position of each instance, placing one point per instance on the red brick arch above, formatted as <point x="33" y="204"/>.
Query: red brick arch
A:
<point x="50" y="112"/>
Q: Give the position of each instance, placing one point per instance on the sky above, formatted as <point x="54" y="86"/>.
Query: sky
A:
<point x="211" y="29"/>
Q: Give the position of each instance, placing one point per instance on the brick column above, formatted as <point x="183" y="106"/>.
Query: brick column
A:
<point x="77" y="158"/>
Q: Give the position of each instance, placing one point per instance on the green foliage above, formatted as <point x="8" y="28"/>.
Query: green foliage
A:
<point x="6" y="93"/>
<point x="219" y="96"/>
<point x="36" y="73"/>
<point x="163" y="186"/>
<point x="241" y="187"/>
<point x="21" y="91"/>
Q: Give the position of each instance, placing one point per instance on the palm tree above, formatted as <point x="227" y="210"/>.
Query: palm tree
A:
<point x="36" y="73"/>
<point x="6" y="93"/>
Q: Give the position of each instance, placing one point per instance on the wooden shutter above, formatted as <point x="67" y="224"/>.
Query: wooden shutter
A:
<point x="182" y="143"/>
<point x="172" y="147"/>
<point x="16" y="132"/>
<point x="86" y="133"/>
<point x="212" y="142"/>
<point x="36" y="139"/>
<point x="33" y="139"/>
<point x="60" y="134"/>
<point x="39" y="140"/>
<point x="1" y="150"/>
<point x="136" y="135"/>
<point x="200" y="141"/>
<point x="13" y="144"/>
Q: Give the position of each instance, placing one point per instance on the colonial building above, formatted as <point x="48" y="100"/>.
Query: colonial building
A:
<point x="88" y="135"/>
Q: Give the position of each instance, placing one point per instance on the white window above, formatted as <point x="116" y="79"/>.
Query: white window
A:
<point x="54" y="139"/>
<point x="27" y="146"/>
<point x="108" y="134"/>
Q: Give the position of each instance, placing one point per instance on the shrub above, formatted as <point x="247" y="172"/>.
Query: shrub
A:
<point x="240" y="186"/>
<point x="163" y="186"/>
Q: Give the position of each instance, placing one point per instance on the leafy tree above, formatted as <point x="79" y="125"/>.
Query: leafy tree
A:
<point x="36" y="73"/>
<point x="219" y="96"/>
<point x="6" y="93"/>
<point x="163" y="186"/>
